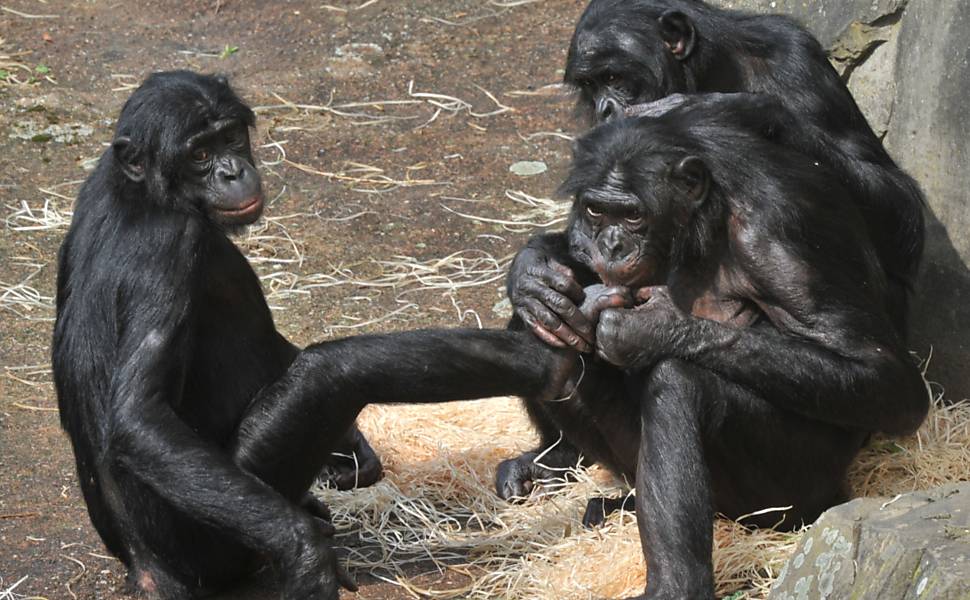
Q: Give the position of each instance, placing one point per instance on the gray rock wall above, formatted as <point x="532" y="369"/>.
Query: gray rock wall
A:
<point x="913" y="546"/>
<point x="908" y="64"/>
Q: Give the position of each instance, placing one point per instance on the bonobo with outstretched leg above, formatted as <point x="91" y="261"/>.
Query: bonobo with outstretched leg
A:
<point x="164" y="341"/>
<point x="759" y="352"/>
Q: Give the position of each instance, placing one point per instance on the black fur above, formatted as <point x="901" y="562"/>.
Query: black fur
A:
<point x="164" y="341"/>
<point x="761" y="353"/>
<point x="622" y="55"/>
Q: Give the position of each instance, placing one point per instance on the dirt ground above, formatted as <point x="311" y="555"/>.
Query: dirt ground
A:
<point x="386" y="135"/>
<point x="86" y="56"/>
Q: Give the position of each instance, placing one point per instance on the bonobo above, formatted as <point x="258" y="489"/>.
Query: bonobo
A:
<point x="628" y="52"/>
<point x="193" y="463"/>
<point x="758" y="353"/>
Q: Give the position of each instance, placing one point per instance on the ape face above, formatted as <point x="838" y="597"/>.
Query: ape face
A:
<point x="183" y="138"/>
<point x="627" y="53"/>
<point x="632" y="204"/>
<point x="220" y="173"/>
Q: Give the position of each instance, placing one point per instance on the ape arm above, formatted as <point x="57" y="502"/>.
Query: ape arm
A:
<point x="833" y="358"/>
<point x="151" y="443"/>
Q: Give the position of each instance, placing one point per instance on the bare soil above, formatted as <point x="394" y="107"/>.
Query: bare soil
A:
<point x="306" y="53"/>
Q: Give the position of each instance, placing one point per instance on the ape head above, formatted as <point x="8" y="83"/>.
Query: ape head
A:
<point x="642" y="198"/>
<point x="184" y="139"/>
<point x="627" y="52"/>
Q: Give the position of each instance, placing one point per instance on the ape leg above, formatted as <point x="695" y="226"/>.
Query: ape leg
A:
<point x="674" y="507"/>
<point x="291" y="427"/>
<point x="708" y="445"/>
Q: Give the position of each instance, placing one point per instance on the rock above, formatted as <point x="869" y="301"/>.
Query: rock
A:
<point x="828" y="19"/>
<point x="68" y="133"/>
<point x="528" y="168"/>
<point x="928" y="137"/>
<point x="914" y="546"/>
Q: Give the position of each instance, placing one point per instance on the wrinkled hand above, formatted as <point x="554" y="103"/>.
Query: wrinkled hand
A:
<point x="639" y="337"/>
<point x="546" y="296"/>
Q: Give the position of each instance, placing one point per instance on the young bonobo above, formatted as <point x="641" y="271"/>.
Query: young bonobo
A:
<point x="629" y="52"/>
<point x="164" y="341"/>
<point x="759" y="353"/>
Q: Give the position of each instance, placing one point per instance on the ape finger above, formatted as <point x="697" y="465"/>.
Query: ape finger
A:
<point x="566" y="282"/>
<point x="549" y="327"/>
<point x="561" y="307"/>
<point x="646" y="293"/>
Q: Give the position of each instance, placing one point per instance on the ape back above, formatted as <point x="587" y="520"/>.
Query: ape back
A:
<point x="147" y="251"/>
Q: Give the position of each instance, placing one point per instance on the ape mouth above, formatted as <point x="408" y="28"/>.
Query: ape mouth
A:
<point x="631" y="274"/>
<point x="249" y="209"/>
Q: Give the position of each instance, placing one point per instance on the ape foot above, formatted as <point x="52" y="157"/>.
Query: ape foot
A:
<point x="354" y="467"/>
<point x="598" y="509"/>
<point x="516" y="477"/>
<point x="319" y="511"/>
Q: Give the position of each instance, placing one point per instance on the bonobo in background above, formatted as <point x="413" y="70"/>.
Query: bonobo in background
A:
<point x="760" y="353"/>
<point x="628" y="52"/>
<point x="163" y="339"/>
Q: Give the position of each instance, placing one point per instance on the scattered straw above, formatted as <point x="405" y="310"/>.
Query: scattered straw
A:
<point x="451" y="104"/>
<point x="17" y="71"/>
<point x="38" y="217"/>
<point x="30" y="375"/>
<point x="124" y="82"/>
<point x="369" y="179"/>
<point x="531" y="212"/>
<point x="26" y="301"/>
<point x="436" y="511"/>
<point x="291" y="111"/>
<point x="8" y="593"/>
<point x="24" y="15"/>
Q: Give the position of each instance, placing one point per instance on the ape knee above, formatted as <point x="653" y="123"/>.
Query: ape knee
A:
<point x="675" y="386"/>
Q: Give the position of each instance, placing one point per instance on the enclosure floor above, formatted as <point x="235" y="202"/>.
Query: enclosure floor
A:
<point x="411" y="114"/>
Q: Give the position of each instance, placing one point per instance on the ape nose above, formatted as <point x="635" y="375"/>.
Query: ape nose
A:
<point x="608" y="109"/>
<point x="614" y="246"/>
<point x="230" y="170"/>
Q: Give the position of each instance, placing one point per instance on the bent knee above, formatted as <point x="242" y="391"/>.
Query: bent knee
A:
<point x="675" y="384"/>
<point x="673" y="372"/>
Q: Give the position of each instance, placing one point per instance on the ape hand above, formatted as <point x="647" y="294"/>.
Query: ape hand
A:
<point x="600" y="297"/>
<point x="639" y="337"/>
<point x="313" y="571"/>
<point x="546" y="295"/>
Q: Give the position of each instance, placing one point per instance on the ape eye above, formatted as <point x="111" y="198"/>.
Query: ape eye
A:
<point x="635" y="221"/>
<point x="612" y="79"/>
<point x="593" y="212"/>
<point x="200" y="155"/>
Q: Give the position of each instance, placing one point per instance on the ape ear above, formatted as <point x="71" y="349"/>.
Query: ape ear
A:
<point x="692" y="175"/>
<point x="124" y="154"/>
<point x="678" y="33"/>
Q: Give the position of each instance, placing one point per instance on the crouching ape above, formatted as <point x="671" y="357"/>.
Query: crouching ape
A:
<point x="757" y="353"/>
<point x="163" y="342"/>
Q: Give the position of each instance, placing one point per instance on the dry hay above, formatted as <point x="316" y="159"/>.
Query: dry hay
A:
<point x="436" y="511"/>
<point x="529" y="213"/>
<point x="11" y="63"/>
<point x="293" y="116"/>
